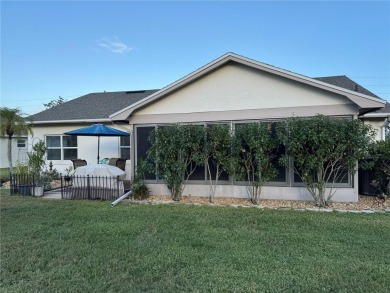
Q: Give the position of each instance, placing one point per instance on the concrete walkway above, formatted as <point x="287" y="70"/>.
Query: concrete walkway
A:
<point x="52" y="194"/>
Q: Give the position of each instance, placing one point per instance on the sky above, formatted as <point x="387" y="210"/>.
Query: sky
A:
<point x="52" y="49"/>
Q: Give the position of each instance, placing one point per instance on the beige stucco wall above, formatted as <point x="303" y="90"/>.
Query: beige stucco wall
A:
<point x="235" y="87"/>
<point x="378" y="125"/>
<point x="268" y="192"/>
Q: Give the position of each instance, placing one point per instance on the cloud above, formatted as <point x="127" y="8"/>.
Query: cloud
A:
<point x="114" y="45"/>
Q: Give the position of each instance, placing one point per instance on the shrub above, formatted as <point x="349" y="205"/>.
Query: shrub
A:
<point x="139" y="189"/>
<point x="324" y="151"/>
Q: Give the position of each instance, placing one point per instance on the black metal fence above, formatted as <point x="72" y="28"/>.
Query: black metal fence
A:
<point x="70" y="187"/>
<point x="91" y="187"/>
<point x="26" y="184"/>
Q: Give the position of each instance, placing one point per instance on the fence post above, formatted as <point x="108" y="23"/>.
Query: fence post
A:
<point x="88" y="188"/>
<point x="62" y="187"/>
<point x="12" y="183"/>
<point x="117" y="185"/>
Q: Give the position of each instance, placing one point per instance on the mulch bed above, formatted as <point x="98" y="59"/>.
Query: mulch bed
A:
<point x="365" y="203"/>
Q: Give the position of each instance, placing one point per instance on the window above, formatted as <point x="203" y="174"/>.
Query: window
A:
<point x="61" y="147"/>
<point x="125" y="147"/>
<point x="142" y="147"/>
<point x="21" y="142"/>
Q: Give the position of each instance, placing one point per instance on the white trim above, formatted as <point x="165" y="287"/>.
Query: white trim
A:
<point x="71" y="121"/>
<point x="375" y="115"/>
<point x="352" y="95"/>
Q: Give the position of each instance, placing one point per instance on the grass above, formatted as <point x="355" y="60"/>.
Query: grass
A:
<point x="88" y="246"/>
<point x="4" y="172"/>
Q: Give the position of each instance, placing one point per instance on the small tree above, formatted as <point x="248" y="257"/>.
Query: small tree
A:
<point x="13" y="124"/>
<point x="325" y="150"/>
<point x="254" y="150"/>
<point x="176" y="152"/>
<point x="380" y="164"/>
<point x="54" y="103"/>
<point x="36" y="158"/>
<point x="218" y="146"/>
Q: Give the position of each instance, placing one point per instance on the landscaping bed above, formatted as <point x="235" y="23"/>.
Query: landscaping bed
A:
<point x="365" y="202"/>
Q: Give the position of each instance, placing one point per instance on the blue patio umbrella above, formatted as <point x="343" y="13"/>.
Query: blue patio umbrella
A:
<point x="97" y="130"/>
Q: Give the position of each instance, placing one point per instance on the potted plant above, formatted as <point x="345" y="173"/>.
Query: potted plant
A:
<point x="36" y="163"/>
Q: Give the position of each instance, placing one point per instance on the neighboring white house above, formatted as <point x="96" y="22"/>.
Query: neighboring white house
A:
<point x="230" y="89"/>
<point x="19" y="150"/>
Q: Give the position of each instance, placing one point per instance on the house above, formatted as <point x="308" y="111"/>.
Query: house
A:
<point x="230" y="89"/>
<point x="380" y="120"/>
<point x="18" y="148"/>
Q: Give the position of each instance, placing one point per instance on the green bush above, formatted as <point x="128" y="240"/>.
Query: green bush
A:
<point x="4" y="178"/>
<point x="140" y="191"/>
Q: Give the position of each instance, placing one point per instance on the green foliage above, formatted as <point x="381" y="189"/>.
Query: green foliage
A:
<point x="254" y="149"/>
<point x="20" y="168"/>
<point x="54" y="103"/>
<point x="324" y="150"/>
<point x="176" y="151"/>
<point x="4" y="178"/>
<point x="13" y="124"/>
<point x="36" y="158"/>
<point x="217" y="151"/>
<point x="139" y="189"/>
<point x="380" y="164"/>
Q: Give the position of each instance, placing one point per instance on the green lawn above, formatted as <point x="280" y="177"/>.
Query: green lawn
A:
<point x="89" y="246"/>
<point x="4" y="172"/>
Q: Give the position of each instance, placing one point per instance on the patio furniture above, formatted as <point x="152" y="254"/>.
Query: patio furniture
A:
<point x="78" y="163"/>
<point x="118" y="162"/>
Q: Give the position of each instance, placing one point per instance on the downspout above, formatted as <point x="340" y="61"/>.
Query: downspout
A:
<point x="114" y="203"/>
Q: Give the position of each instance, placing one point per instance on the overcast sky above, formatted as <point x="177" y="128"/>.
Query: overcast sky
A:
<point x="68" y="49"/>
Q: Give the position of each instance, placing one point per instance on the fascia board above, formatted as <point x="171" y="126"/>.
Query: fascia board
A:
<point x="70" y="121"/>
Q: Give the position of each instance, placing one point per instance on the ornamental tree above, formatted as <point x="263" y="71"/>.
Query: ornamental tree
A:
<point x="324" y="151"/>
<point x="380" y="164"/>
<point x="217" y="153"/>
<point x="254" y="148"/>
<point x="176" y="151"/>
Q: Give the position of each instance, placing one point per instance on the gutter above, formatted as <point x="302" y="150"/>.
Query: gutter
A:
<point x="114" y="203"/>
<point x="72" y="121"/>
<point x="375" y="115"/>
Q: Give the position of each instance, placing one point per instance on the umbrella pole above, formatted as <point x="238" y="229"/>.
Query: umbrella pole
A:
<point x="98" y="149"/>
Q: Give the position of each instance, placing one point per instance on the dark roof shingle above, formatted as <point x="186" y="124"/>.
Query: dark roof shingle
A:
<point x="347" y="83"/>
<point x="92" y="106"/>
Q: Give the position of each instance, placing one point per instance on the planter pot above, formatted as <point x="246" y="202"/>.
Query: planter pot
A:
<point x="37" y="190"/>
<point x="24" y="189"/>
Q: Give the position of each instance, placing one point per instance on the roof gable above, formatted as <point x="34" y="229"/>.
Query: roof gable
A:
<point x="361" y="99"/>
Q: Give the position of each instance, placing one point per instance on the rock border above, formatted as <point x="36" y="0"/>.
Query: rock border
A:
<point x="282" y="208"/>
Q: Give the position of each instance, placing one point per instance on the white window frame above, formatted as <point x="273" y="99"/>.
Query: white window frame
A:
<point x="61" y="147"/>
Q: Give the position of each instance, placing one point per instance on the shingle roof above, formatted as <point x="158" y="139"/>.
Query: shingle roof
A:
<point x="347" y="83"/>
<point x="385" y="109"/>
<point x="92" y="106"/>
